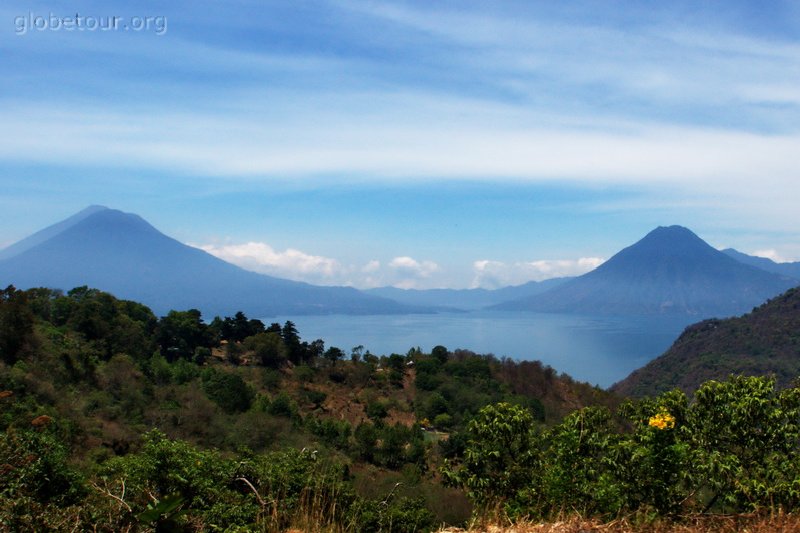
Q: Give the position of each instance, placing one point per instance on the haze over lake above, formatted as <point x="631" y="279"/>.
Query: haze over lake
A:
<point x="597" y="349"/>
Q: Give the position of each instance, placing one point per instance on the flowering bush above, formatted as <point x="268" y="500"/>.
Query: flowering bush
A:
<point x="662" y="420"/>
<point x="734" y="448"/>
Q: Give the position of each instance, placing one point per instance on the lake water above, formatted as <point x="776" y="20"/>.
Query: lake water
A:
<point x="597" y="349"/>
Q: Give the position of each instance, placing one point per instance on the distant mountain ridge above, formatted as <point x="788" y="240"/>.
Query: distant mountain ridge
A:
<point x="791" y="270"/>
<point x="121" y="253"/>
<point x="465" y="299"/>
<point x="763" y="342"/>
<point x="670" y="270"/>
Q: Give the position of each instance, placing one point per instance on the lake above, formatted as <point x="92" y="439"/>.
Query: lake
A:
<point x="598" y="349"/>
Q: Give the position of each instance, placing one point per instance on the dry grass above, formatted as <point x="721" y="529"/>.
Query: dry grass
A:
<point x="779" y="523"/>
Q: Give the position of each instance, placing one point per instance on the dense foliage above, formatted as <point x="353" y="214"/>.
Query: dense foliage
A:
<point x="732" y="449"/>
<point x="85" y="377"/>
<point x="114" y="419"/>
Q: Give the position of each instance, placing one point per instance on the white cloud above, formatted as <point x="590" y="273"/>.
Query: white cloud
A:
<point x="290" y="263"/>
<point x="407" y="273"/>
<point x="408" y="265"/>
<point x="372" y="266"/>
<point x="495" y="274"/>
<point x="403" y="271"/>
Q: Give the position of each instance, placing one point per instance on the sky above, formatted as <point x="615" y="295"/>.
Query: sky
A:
<point x="416" y="144"/>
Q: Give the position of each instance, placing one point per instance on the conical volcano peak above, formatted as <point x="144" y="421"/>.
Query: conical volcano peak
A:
<point x="670" y="235"/>
<point x="123" y="254"/>
<point x="113" y="222"/>
<point x="665" y="241"/>
<point x="50" y="232"/>
<point x="670" y="270"/>
<point x="94" y="208"/>
<point x="673" y="231"/>
<point x="115" y="215"/>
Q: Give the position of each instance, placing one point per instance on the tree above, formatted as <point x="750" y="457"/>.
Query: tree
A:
<point x="291" y="339"/>
<point x="16" y="323"/>
<point x="269" y="349"/>
<point x="333" y="354"/>
<point x="180" y="332"/>
<point x="315" y="349"/>
<point x="440" y="353"/>
<point x="237" y="328"/>
<point x="366" y="436"/>
<point x="356" y="352"/>
<point x="396" y="364"/>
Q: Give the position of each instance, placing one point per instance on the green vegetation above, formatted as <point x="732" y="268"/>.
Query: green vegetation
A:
<point x="763" y="342"/>
<point x="733" y="449"/>
<point x="114" y="419"/>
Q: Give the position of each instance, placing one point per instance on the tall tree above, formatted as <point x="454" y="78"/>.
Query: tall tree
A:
<point x="16" y="323"/>
<point x="291" y="338"/>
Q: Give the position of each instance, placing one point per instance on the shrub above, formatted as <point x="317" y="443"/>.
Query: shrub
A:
<point x="743" y="436"/>
<point x="499" y="458"/>
<point x="315" y="397"/>
<point x="35" y="465"/>
<point x="376" y="410"/>
<point x="228" y="390"/>
<point x="733" y="449"/>
<point x="283" y="405"/>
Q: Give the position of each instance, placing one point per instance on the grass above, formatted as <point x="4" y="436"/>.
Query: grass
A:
<point x="775" y="523"/>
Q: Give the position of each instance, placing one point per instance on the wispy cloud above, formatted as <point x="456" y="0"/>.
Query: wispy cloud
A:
<point x="680" y="104"/>
<point x="190" y="144"/>
<point x="548" y="98"/>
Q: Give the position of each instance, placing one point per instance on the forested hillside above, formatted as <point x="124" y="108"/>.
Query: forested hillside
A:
<point x="118" y="409"/>
<point x="763" y="342"/>
<point x="114" y="419"/>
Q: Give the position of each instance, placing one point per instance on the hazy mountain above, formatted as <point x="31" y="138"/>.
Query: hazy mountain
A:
<point x="47" y="233"/>
<point x="122" y="254"/>
<point x="791" y="270"/>
<point x="465" y="299"/>
<point x="670" y="270"/>
<point x="765" y="341"/>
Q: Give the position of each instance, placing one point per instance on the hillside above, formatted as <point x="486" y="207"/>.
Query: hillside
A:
<point x="112" y="419"/>
<point x="763" y="342"/>
<point x="670" y="271"/>
<point x="123" y="254"/>
<point x="100" y="371"/>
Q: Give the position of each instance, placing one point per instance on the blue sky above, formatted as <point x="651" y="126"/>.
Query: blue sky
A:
<point x="419" y="144"/>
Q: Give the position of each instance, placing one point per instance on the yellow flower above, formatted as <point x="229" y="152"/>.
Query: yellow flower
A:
<point x="662" y="420"/>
